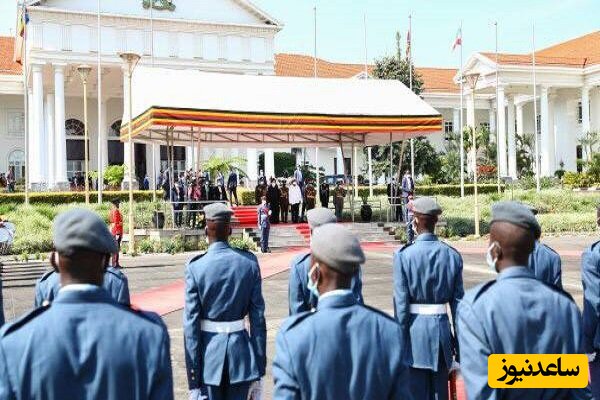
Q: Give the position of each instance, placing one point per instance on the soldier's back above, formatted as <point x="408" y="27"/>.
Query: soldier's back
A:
<point x="85" y="346"/>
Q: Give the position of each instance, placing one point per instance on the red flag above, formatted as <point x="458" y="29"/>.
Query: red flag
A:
<point x="458" y="39"/>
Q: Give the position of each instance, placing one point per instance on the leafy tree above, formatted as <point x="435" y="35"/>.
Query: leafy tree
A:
<point x="394" y="67"/>
<point x="114" y="174"/>
<point x="525" y="154"/>
<point x="589" y="142"/>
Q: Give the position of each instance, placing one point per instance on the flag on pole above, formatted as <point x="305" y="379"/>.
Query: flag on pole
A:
<point x="458" y="39"/>
<point x="23" y="20"/>
<point x="408" y="44"/>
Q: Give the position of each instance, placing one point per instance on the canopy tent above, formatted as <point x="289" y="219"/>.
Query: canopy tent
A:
<point x="225" y="110"/>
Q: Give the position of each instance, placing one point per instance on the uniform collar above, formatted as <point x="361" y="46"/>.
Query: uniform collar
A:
<point x="93" y="294"/>
<point x="77" y="287"/>
<point x="515" y="272"/>
<point x="218" y="246"/>
<point x="427" y="237"/>
<point x="336" y="299"/>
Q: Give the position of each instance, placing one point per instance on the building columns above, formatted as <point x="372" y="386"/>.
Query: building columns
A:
<point x="269" y="163"/>
<point x="39" y="146"/>
<point x="512" y="140"/>
<point x="50" y="160"/>
<point x="60" y="142"/>
<point x="501" y="133"/>
<point x="30" y="140"/>
<point x="585" y="109"/>
<point x="547" y="134"/>
<point x="471" y="111"/>
<point x="340" y="162"/>
<point x="103" y="136"/>
<point x="520" y="119"/>
<point x="456" y="120"/>
<point x="252" y="167"/>
<point x="492" y="118"/>
<point x="129" y="167"/>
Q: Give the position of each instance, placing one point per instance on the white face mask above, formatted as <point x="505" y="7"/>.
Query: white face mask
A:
<point x="312" y="286"/>
<point x="491" y="262"/>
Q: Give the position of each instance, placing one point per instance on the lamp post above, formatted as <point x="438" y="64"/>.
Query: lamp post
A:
<point x="472" y="83"/>
<point x="130" y="60"/>
<point x="84" y="70"/>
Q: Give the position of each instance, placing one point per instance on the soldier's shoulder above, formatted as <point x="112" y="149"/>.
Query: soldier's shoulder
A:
<point x="48" y="275"/>
<point x="478" y="292"/>
<point x="405" y="247"/>
<point x="300" y="258"/>
<point x="558" y="291"/>
<point x="450" y="247"/>
<point x="595" y="247"/>
<point x="147" y="316"/>
<point x="550" y="249"/>
<point x="378" y="313"/>
<point x="195" y="258"/>
<point x="247" y="254"/>
<point x="294" y="321"/>
<point x="14" y="326"/>
<point x="116" y="273"/>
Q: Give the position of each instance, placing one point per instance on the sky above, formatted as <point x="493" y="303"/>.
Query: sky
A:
<point x="340" y="27"/>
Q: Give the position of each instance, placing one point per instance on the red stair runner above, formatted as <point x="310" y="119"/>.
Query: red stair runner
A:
<point x="246" y="216"/>
<point x="304" y="230"/>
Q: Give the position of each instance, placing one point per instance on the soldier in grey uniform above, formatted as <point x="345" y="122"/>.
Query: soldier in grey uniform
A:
<point x="222" y="287"/>
<point x="428" y="279"/>
<point x="115" y="283"/>
<point x="84" y="345"/>
<point x="544" y="261"/>
<point x="515" y="313"/>
<point x="343" y="350"/>
<point x="300" y="297"/>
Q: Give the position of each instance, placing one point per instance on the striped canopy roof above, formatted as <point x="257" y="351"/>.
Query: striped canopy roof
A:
<point x="224" y="110"/>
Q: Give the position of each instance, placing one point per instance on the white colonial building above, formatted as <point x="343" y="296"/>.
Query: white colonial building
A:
<point x="234" y="36"/>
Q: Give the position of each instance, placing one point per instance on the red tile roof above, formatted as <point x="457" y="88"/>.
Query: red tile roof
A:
<point x="579" y="52"/>
<point x="7" y="65"/>
<point x="434" y="79"/>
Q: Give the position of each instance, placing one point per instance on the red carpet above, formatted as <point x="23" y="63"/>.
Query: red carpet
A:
<point x="246" y="216"/>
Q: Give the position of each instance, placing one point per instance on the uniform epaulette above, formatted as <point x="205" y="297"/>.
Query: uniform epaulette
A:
<point x="457" y="252"/>
<point x="593" y="246"/>
<point x="559" y="290"/>
<point x="147" y="315"/>
<point x="13" y="326"/>
<point x="379" y="312"/>
<point x="117" y="273"/>
<point x="294" y="320"/>
<point x="477" y="291"/>
<point x="47" y="274"/>
<point x="300" y="258"/>
<point x="405" y="246"/>
<point x="550" y="248"/>
<point x="195" y="258"/>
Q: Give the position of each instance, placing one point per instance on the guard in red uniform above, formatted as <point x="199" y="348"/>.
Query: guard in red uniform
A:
<point x="115" y="218"/>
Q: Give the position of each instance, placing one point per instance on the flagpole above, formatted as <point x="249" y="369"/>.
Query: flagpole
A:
<point x="100" y="136"/>
<point x="315" y="76"/>
<point x="24" y="71"/>
<point x="154" y="177"/>
<point x="369" y="149"/>
<point x="537" y="144"/>
<point x="497" y="111"/>
<point x="410" y="77"/>
<point x="462" y="148"/>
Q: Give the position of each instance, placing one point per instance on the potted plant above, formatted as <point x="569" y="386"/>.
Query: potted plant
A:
<point x="366" y="212"/>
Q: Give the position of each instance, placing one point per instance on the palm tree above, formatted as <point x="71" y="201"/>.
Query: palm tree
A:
<point x="588" y="142"/>
<point x="224" y="164"/>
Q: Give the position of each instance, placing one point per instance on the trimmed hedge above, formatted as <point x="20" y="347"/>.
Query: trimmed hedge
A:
<point x="57" y="198"/>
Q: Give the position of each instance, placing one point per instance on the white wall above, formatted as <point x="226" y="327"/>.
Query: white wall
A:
<point x="10" y="107"/>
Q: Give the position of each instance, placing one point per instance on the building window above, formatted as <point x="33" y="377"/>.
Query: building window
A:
<point x="16" y="123"/>
<point x="74" y="127"/>
<point x="448" y="127"/>
<point x="115" y="130"/>
<point x="16" y="162"/>
<point x="579" y="113"/>
<point x="485" y="125"/>
<point x="75" y="157"/>
<point x="538" y="121"/>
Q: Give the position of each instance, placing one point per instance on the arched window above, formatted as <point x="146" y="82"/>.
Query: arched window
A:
<point x="16" y="161"/>
<point x="115" y="129"/>
<point x="74" y="127"/>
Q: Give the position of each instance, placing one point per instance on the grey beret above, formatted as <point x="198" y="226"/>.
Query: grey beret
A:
<point x="337" y="247"/>
<point x="320" y="216"/>
<point x="218" y="212"/>
<point x="81" y="229"/>
<point x="517" y="214"/>
<point x="426" y="206"/>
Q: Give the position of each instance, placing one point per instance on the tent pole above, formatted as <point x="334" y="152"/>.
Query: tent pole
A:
<point x="354" y="179"/>
<point x="198" y="153"/>
<point x="390" y="180"/>
<point x="192" y="163"/>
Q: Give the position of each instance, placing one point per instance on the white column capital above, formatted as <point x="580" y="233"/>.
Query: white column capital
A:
<point x="59" y="67"/>
<point x="37" y="68"/>
<point x="545" y="90"/>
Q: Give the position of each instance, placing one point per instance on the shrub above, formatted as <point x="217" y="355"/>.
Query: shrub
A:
<point x="113" y="175"/>
<point x="242" y="243"/>
<point x="58" y="198"/>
